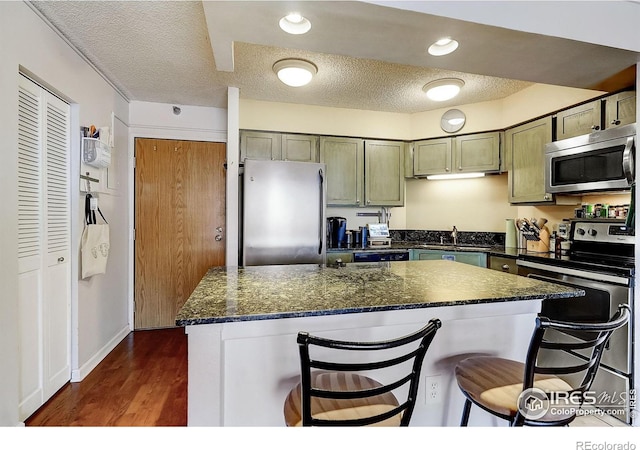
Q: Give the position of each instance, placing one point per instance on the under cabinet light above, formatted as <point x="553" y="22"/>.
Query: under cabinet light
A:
<point x="455" y="176"/>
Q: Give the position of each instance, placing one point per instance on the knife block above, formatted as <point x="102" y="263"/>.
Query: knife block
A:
<point x="542" y="245"/>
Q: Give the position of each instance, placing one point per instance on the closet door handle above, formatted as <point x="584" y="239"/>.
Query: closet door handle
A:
<point x="61" y="259"/>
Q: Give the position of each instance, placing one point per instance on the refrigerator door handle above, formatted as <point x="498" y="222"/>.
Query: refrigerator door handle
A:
<point x="321" y="237"/>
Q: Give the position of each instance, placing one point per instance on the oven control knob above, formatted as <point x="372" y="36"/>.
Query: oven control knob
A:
<point x="580" y="231"/>
<point x="592" y="232"/>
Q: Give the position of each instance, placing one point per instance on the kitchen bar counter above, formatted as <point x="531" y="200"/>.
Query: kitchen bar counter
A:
<point x="242" y="325"/>
<point x="275" y="292"/>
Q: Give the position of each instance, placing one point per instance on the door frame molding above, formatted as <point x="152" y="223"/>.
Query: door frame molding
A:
<point x="137" y="131"/>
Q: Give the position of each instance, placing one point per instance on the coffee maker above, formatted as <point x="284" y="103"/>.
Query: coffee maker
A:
<point x="336" y="230"/>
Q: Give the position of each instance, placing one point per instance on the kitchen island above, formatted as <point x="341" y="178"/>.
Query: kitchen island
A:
<point x="242" y="325"/>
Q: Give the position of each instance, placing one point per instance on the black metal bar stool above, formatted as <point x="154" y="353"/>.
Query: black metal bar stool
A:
<point x="333" y="394"/>
<point x="521" y="392"/>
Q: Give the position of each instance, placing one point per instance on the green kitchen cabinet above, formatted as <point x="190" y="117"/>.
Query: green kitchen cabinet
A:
<point x="503" y="264"/>
<point x="579" y="120"/>
<point x="384" y="173"/>
<point x="525" y="147"/>
<point x="432" y="156"/>
<point x="474" y="258"/>
<point x="620" y="109"/>
<point x="480" y="152"/>
<point x="477" y="152"/>
<point x="278" y="146"/>
<point x="344" y="160"/>
<point x="363" y="173"/>
<point x="299" y="147"/>
<point x="260" y="145"/>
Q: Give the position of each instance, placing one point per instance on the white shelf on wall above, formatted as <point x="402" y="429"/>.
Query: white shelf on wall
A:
<point x="95" y="153"/>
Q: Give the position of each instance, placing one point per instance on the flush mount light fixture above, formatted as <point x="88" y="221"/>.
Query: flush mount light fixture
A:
<point x="443" y="46"/>
<point x="295" y="72"/>
<point x="443" y="89"/>
<point x="294" y="23"/>
<point x="455" y="176"/>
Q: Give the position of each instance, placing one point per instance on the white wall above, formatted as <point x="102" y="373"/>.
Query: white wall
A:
<point x="99" y="305"/>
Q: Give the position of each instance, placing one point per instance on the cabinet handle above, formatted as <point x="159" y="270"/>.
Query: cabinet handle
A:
<point x="218" y="237"/>
<point x="547" y="197"/>
<point x="446" y="169"/>
<point x="505" y="267"/>
<point x="357" y="200"/>
<point x="368" y="201"/>
<point x="61" y="259"/>
<point x="595" y="127"/>
<point x="615" y="122"/>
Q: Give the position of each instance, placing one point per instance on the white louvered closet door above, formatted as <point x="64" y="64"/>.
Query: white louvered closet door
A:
<point x="43" y="244"/>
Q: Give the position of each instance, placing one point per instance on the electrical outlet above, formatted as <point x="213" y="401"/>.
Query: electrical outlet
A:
<point x="433" y="389"/>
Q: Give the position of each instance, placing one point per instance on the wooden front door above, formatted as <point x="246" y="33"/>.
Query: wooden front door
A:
<point x="179" y="224"/>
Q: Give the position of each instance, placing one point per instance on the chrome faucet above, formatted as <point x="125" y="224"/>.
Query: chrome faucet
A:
<point x="454" y="235"/>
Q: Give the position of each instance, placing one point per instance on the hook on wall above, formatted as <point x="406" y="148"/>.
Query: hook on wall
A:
<point x="88" y="181"/>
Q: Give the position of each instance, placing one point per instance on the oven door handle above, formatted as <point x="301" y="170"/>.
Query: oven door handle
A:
<point x="574" y="272"/>
<point x="628" y="160"/>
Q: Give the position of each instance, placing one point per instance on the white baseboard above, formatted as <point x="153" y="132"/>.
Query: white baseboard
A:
<point x="79" y="374"/>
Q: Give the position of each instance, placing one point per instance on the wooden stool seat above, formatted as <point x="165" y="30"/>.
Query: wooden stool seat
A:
<point x="333" y="392"/>
<point x="495" y="384"/>
<point x="524" y="393"/>
<point x="341" y="409"/>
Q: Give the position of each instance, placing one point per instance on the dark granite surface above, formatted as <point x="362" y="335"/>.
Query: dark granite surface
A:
<point x="270" y="292"/>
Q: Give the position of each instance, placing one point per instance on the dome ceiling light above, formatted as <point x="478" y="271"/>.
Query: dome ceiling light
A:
<point x="443" y="46"/>
<point x="295" y="23"/>
<point x="295" y="72"/>
<point x="443" y="89"/>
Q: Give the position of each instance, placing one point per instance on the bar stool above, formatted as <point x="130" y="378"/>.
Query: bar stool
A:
<point x="335" y="395"/>
<point x="521" y="392"/>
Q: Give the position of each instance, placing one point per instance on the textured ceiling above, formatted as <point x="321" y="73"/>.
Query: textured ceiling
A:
<point x="368" y="56"/>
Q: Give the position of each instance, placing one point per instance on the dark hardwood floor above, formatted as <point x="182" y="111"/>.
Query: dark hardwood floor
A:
<point x="142" y="382"/>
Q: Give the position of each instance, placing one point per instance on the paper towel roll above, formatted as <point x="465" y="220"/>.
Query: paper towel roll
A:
<point x="511" y="237"/>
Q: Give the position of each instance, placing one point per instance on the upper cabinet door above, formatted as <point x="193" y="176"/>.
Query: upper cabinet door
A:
<point x="260" y="145"/>
<point x="620" y="109"/>
<point x="526" y="146"/>
<point x="579" y="120"/>
<point x="384" y="173"/>
<point x="432" y="156"/>
<point x="344" y="158"/>
<point x="477" y="152"/>
<point x="299" y="147"/>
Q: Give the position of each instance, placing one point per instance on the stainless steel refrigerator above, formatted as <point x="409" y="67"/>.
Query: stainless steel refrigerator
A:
<point x="283" y="213"/>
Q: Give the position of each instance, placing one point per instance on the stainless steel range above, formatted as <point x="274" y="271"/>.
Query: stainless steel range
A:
<point x="601" y="261"/>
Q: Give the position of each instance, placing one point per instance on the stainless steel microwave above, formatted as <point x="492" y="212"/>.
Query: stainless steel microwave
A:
<point x="599" y="161"/>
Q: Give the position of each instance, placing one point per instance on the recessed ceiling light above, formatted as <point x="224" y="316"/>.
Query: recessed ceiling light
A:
<point x="443" y="46"/>
<point x="443" y="89"/>
<point x="295" y="72"/>
<point x="294" y="23"/>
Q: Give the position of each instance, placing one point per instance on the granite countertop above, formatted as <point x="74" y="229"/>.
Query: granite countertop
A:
<point x="233" y="294"/>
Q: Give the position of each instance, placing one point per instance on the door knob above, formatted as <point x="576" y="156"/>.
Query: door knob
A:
<point x="218" y="237"/>
<point x="219" y="229"/>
